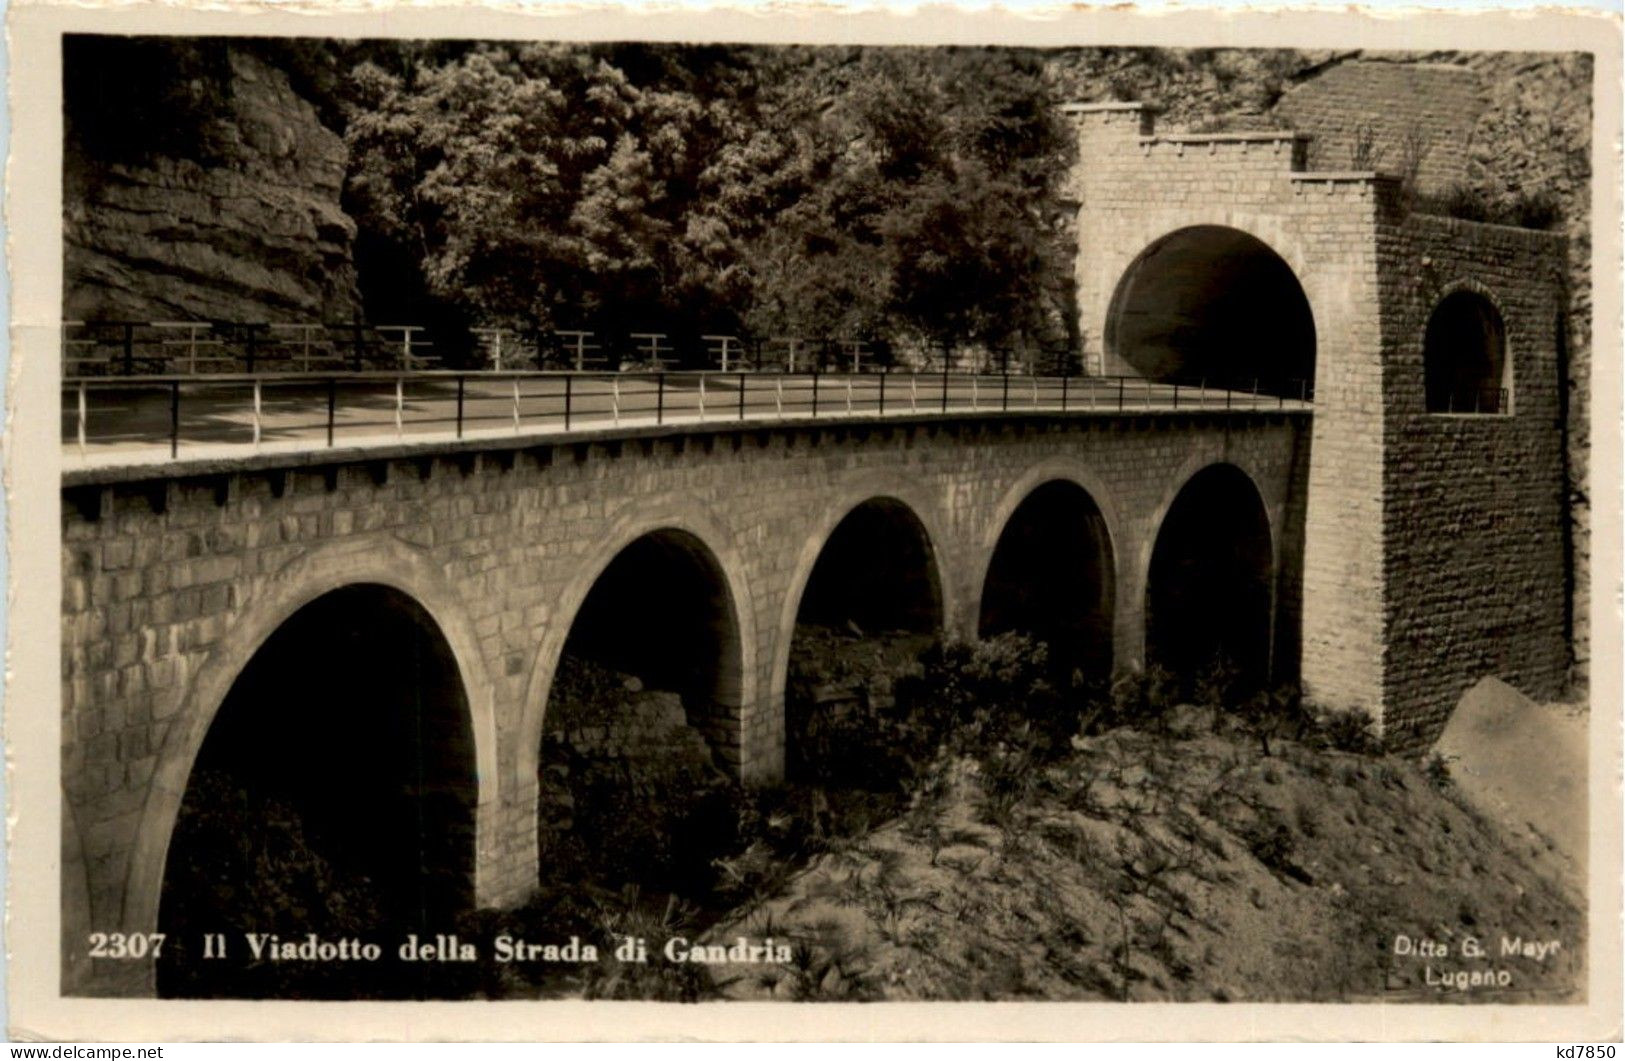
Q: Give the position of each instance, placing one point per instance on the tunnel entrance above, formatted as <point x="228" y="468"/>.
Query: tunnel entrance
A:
<point x="1215" y="305"/>
<point x="1051" y="578"/>
<point x="872" y="604"/>
<point x="641" y="730"/>
<point x="334" y="794"/>
<point x="1464" y="356"/>
<point x="1208" y="590"/>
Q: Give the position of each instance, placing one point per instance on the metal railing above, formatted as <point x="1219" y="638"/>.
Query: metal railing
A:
<point x="148" y="418"/>
<point x="133" y="348"/>
<point x="1470" y="400"/>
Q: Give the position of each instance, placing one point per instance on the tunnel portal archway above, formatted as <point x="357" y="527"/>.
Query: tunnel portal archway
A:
<point x="334" y="793"/>
<point x="1464" y="356"/>
<point x="1209" y="587"/>
<point x="1052" y="577"/>
<point x="872" y="603"/>
<point x="1214" y="304"/>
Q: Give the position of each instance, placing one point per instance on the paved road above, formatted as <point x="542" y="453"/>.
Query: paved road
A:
<point x="133" y="422"/>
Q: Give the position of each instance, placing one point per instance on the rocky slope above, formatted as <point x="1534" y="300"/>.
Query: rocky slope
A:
<point x="1181" y="867"/>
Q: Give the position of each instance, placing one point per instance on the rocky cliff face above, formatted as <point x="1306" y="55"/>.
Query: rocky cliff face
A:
<point x="255" y="233"/>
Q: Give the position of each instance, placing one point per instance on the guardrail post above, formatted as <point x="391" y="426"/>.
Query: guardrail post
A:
<point x="741" y="396"/>
<point x="174" y="418"/>
<point x="1064" y="380"/>
<point x="256" y="414"/>
<point x="515" y="382"/>
<point x="913" y="391"/>
<point x="660" y="398"/>
<point x="975" y="393"/>
<point x="1176" y="394"/>
<point x="945" y="381"/>
<point x="1120" y="384"/>
<point x="81" y="418"/>
<point x="459" y="406"/>
<point x="702" y="397"/>
<point x="881" y="411"/>
<point x="815" y="392"/>
<point x="849" y="394"/>
<point x="400" y="405"/>
<point x="567" y="389"/>
<point x="778" y="395"/>
<point x="1035" y="391"/>
<point x="1004" y="390"/>
<point x="332" y="402"/>
<point x="614" y="399"/>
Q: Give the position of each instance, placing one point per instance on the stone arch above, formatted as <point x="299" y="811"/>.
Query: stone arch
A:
<point x="1210" y="574"/>
<point x="378" y="559"/>
<point x="691" y="519"/>
<point x="1090" y="488"/>
<point x="1467" y="365"/>
<point x="1217" y="303"/>
<point x="856" y="493"/>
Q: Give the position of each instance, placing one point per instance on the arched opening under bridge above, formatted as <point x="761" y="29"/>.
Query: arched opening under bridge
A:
<point x="641" y="729"/>
<point x="872" y="603"/>
<point x="333" y="794"/>
<point x="1052" y="578"/>
<point x="1209" y="587"/>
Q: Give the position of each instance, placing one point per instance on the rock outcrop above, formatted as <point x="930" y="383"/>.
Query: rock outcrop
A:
<point x="255" y="234"/>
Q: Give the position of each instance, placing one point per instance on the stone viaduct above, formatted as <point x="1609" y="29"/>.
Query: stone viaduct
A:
<point x="1408" y="542"/>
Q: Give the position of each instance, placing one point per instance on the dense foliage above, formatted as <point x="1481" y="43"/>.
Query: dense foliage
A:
<point x="859" y="193"/>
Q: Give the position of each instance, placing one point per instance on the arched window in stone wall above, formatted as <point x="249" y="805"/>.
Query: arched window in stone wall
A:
<point x="1465" y="368"/>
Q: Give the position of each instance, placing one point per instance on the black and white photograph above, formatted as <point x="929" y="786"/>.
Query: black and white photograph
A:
<point x="719" y="520"/>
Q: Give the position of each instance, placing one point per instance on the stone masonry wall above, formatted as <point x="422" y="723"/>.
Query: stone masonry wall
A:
<point x="1433" y="549"/>
<point x="170" y="587"/>
<point x="1433" y="131"/>
<point x="1473" y="504"/>
<point x="1135" y="186"/>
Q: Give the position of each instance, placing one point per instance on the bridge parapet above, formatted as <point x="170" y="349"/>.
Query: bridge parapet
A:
<point x="154" y="422"/>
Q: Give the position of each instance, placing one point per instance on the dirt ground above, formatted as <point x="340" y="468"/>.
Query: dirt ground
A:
<point x="1180" y="866"/>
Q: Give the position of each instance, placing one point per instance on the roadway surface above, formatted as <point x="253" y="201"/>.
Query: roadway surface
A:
<point x="108" y="423"/>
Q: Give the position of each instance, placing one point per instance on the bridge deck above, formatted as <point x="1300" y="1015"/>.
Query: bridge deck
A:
<point x="114" y="428"/>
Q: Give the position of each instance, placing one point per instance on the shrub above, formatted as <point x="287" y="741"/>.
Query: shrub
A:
<point x="971" y="694"/>
<point x="1273" y="844"/>
<point x="1141" y="698"/>
<point x="1535" y="210"/>
<point x="1352" y="730"/>
<point x="1280" y="712"/>
<point x="1437" y="770"/>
